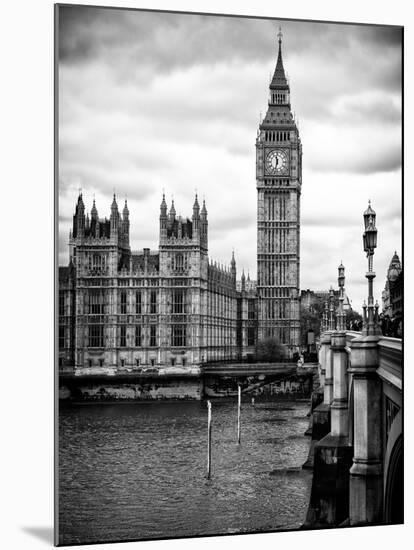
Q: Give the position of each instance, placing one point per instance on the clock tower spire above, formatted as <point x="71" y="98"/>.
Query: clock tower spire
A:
<point x="278" y="183"/>
<point x="279" y="83"/>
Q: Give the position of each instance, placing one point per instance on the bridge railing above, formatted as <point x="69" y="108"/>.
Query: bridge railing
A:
<point x="390" y="361"/>
<point x="362" y="385"/>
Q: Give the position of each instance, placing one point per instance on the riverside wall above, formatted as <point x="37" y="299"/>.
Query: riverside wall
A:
<point x="182" y="387"/>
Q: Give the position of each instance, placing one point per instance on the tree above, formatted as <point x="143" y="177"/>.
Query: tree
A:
<point x="269" y="350"/>
<point x="352" y="317"/>
<point x="310" y="319"/>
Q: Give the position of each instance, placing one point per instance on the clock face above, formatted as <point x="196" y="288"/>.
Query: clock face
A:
<point x="276" y="162"/>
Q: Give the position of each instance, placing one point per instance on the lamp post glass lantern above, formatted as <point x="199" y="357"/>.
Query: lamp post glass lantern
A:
<point x="370" y="317"/>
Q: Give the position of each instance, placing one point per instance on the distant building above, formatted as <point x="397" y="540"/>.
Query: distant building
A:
<point x="392" y="295"/>
<point x="247" y="316"/>
<point x="311" y="298"/>
<point x="123" y="310"/>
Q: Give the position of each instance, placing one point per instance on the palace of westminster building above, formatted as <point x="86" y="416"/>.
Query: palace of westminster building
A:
<point x="172" y="308"/>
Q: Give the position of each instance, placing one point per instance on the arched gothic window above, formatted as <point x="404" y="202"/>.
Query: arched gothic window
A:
<point x="179" y="262"/>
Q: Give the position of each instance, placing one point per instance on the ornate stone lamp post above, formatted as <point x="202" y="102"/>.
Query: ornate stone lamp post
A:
<point x="325" y="318"/>
<point x="341" y="314"/>
<point x="331" y="309"/>
<point x="333" y="454"/>
<point x="366" y="472"/>
<point x="339" y="406"/>
<point x="326" y="348"/>
<point x="370" y="316"/>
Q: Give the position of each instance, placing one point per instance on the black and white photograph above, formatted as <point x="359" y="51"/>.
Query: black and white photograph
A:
<point x="229" y="268"/>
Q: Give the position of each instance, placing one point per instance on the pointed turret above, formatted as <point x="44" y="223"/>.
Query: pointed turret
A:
<point x="279" y="80"/>
<point x="79" y="218"/>
<point x="243" y="281"/>
<point x="163" y="207"/>
<point x="125" y="211"/>
<point x="94" y="219"/>
<point x="114" y="219"/>
<point x="204" y="224"/>
<point x="279" y="86"/>
<point x="233" y="267"/>
<point x="94" y="211"/>
<point x="196" y="218"/>
<point x="163" y="218"/>
<point x="114" y="205"/>
<point x="172" y="213"/>
<point x="204" y="210"/>
<point x="125" y="221"/>
<point x="196" y="207"/>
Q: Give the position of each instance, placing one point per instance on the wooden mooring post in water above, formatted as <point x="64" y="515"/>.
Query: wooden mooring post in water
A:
<point x="208" y="439"/>
<point x="239" y="414"/>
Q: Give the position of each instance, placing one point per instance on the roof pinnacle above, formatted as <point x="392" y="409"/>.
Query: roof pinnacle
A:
<point x="196" y="206"/>
<point x="126" y="211"/>
<point x="163" y="203"/>
<point x="94" y="210"/>
<point x="279" y="80"/>
<point x="172" y="209"/>
<point x="280" y="36"/>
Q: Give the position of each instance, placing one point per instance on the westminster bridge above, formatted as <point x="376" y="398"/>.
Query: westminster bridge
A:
<point x="356" y="448"/>
<point x="357" y="438"/>
<point x="357" y="429"/>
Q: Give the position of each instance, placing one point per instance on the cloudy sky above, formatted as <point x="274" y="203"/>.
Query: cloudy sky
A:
<point x="152" y="101"/>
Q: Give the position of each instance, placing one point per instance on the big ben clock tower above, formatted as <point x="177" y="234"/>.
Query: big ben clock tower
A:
<point x="278" y="181"/>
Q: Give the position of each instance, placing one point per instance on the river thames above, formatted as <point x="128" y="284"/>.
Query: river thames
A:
<point x="137" y="471"/>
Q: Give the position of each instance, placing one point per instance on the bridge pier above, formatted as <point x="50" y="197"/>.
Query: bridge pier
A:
<point x="321" y="415"/>
<point x="339" y="405"/>
<point x="333" y="454"/>
<point x="366" y="484"/>
<point x="358" y="465"/>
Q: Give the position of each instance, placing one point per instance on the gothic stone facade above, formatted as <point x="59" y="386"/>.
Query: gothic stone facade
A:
<point x="173" y="308"/>
<point x="123" y="311"/>
<point x="279" y="182"/>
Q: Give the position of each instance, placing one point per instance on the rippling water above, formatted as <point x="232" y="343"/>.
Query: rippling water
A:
<point x="137" y="471"/>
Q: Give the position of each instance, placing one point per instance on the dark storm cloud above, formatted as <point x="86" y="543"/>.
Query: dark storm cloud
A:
<point x="387" y="161"/>
<point x="152" y="100"/>
<point x="165" y="41"/>
<point x="173" y="40"/>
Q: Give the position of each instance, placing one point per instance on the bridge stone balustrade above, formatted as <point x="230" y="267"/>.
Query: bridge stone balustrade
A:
<point x="358" y="461"/>
<point x="321" y="414"/>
